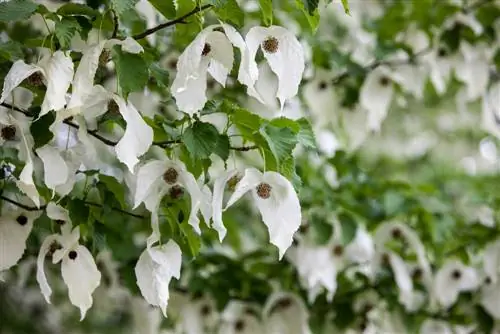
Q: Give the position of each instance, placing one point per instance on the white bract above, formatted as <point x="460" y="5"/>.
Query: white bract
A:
<point x="212" y="52"/>
<point x="15" y="227"/>
<point x="56" y="71"/>
<point x="78" y="267"/>
<point x="277" y="202"/>
<point x="154" y="270"/>
<point x="285" y="313"/>
<point x="284" y="54"/>
<point x="451" y="279"/>
<point x="157" y="178"/>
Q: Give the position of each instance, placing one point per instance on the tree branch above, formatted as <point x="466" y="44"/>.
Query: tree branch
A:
<point x="33" y="208"/>
<point x="171" y="23"/>
<point x="115" y="22"/>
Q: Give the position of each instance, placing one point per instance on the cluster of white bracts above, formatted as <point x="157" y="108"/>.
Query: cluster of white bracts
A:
<point x="212" y="52"/>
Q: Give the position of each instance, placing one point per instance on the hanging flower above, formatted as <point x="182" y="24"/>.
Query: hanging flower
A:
<point x="376" y="96"/>
<point x="284" y="54"/>
<point x="277" y="202"/>
<point x="285" y="313"/>
<point x="212" y="52"/>
<point x="451" y="279"/>
<point x="159" y="177"/>
<point x="78" y="267"/>
<point x="240" y="318"/>
<point x="154" y="270"/>
<point x="15" y="227"/>
<point x="55" y="72"/>
<point x="198" y="316"/>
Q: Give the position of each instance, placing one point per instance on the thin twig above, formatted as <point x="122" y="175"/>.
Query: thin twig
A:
<point x="21" y="205"/>
<point x="93" y="133"/>
<point x="115" y="22"/>
<point x="43" y="207"/>
<point x="244" y="148"/>
<point x="10" y="106"/>
<point x="171" y="23"/>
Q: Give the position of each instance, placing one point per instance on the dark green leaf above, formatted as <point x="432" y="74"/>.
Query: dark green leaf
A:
<point x="76" y="9"/>
<point x="310" y="5"/>
<point x="15" y="10"/>
<point x="40" y="130"/>
<point x="115" y="187"/>
<point x="345" y="4"/>
<point x="311" y="16"/>
<point x="231" y="12"/>
<point x="222" y="148"/>
<point x="281" y="141"/>
<point x="11" y="50"/>
<point x="165" y="7"/>
<point x="65" y="29"/>
<point x="306" y="134"/>
<point x="200" y="140"/>
<point x="131" y="69"/>
<point x="160" y="75"/>
<point x="349" y="227"/>
<point x="121" y="6"/>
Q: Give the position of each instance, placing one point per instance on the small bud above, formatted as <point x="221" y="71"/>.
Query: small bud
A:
<point x="170" y="176"/>
<point x="270" y="45"/>
<point x="338" y="250"/>
<point x="322" y="85"/>
<point x="176" y="192"/>
<point x="239" y="325"/>
<point x="36" y="79"/>
<point x="205" y="310"/>
<point x="206" y="49"/>
<point x="72" y="255"/>
<point x="456" y="274"/>
<point x="384" y="81"/>
<point x="396" y="233"/>
<point x="22" y="220"/>
<point x="264" y="190"/>
<point x="8" y="132"/>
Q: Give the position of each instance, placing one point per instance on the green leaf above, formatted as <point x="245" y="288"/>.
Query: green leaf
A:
<point x="131" y="69"/>
<point x="281" y="141"/>
<point x="266" y="9"/>
<point x="222" y="148"/>
<point x="76" y="9"/>
<point x="160" y="75"/>
<point x="310" y="5"/>
<point x="121" y="6"/>
<point x="248" y="123"/>
<point x="40" y="130"/>
<point x="311" y="16"/>
<point x="115" y="187"/>
<point x="200" y="139"/>
<point x="345" y="3"/>
<point x="231" y="12"/>
<point x="11" y="50"/>
<point x="78" y="211"/>
<point x="306" y="134"/>
<point x="185" y="33"/>
<point x="165" y="7"/>
<point x="16" y="10"/>
<point x="65" y="30"/>
<point x="349" y="227"/>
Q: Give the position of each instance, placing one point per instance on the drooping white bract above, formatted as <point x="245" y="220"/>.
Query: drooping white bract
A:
<point x="285" y="313"/>
<point x="491" y="110"/>
<point x="277" y="202"/>
<point x="57" y="70"/>
<point x="240" y="318"/>
<point x="197" y="316"/>
<point x="15" y="227"/>
<point x="217" y="201"/>
<point x="284" y="54"/>
<point x="211" y="51"/>
<point x="158" y="177"/>
<point x="376" y="95"/>
<point x="78" y="268"/>
<point x="451" y="279"/>
<point x="154" y="270"/>
<point x="473" y="69"/>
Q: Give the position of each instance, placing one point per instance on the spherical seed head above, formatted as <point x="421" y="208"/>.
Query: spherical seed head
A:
<point x="322" y="85"/>
<point x="338" y="250"/>
<point x="456" y="274"/>
<point x="176" y="192"/>
<point x="367" y="308"/>
<point x="36" y="79"/>
<point x="239" y="325"/>
<point x="232" y="182"/>
<point x="384" y="81"/>
<point x="104" y="57"/>
<point x="396" y="233"/>
<point x="271" y="44"/>
<point x="59" y="222"/>
<point x="170" y="176"/>
<point x="8" y="132"/>
<point x="172" y="64"/>
<point x="206" y="49"/>
<point x="441" y="52"/>
<point x="487" y="280"/>
<point x="385" y="259"/>
<point x="22" y="220"/>
<point x="284" y="303"/>
<point x="53" y="247"/>
<point x="113" y="107"/>
<point x="264" y="190"/>
<point x="417" y="273"/>
<point x="72" y="255"/>
<point x="205" y="310"/>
